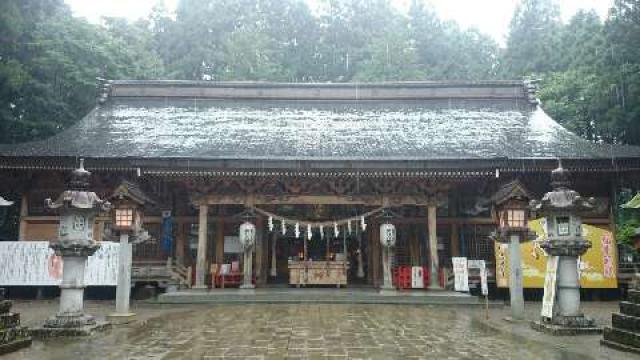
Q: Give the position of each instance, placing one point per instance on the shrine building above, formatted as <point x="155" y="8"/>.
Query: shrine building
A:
<point x="317" y="168"/>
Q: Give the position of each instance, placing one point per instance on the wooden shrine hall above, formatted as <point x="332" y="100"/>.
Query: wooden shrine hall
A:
<point x="317" y="167"/>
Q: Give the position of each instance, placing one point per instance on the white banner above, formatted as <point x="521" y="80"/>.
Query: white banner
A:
<point x="549" y="287"/>
<point x="33" y="263"/>
<point x="461" y="274"/>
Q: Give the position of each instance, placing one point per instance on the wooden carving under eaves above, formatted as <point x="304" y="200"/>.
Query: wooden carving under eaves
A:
<point x="343" y="186"/>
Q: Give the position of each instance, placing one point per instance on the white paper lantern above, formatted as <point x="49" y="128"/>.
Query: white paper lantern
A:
<point x="388" y="235"/>
<point x="247" y="234"/>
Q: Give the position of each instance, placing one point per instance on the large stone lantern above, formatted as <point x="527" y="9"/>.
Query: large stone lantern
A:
<point x="247" y="240"/>
<point x="388" y="241"/>
<point x="511" y="212"/>
<point x="562" y="209"/>
<point x="78" y="208"/>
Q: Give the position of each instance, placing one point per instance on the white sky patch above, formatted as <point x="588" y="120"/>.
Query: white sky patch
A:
<point x="489" y="16"/>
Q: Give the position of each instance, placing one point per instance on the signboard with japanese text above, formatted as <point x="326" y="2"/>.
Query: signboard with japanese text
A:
<point x="461" y="274"/>
<point x="597" y="266"/>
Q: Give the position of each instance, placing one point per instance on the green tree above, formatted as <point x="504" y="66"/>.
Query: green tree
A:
<point x="532" y="44"/>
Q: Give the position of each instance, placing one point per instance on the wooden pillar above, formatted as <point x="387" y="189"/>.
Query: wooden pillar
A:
<point x="433" y="247"/>
<point x="260" y="240"/>
<point x="24" y="212"/>
<point x="180" y="242"/>
<point x="201" y="263"/>
<point x="376" y="253"/>
<point x="369" y="239"/>
<point x="220" y="242"/>
<point x="274" y="262"/>
<point x="455" y="240"/>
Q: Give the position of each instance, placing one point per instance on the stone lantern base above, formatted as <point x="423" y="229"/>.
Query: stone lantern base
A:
<point x="568" y="325"/>
<point x="65" y="325"/>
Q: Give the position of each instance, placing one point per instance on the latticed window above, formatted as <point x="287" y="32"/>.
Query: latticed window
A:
<point x="516" y="218"/>
<point x="124" y="217"/>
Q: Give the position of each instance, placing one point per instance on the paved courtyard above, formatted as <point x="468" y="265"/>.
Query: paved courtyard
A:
<point x="312" y="331"/>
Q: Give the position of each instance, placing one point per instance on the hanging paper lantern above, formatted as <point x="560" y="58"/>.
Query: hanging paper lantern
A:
<point x="349" y="227"/>
<point x="309" y="234"/>
<point x="363" y="224"/>
<point x="321" y="232"/>
<point x="247" y="234"/>
<point x="388" y="235"/>
<point x="270" y="223"/>
<point x="335" y="229"/>
<point x="284" y="228"/>
<point x="297" y="230"/>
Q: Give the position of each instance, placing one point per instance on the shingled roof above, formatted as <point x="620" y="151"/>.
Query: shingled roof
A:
<point x="386" y="121"/>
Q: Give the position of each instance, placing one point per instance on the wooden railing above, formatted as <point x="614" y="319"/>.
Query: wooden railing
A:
<point x="161" y="271"/>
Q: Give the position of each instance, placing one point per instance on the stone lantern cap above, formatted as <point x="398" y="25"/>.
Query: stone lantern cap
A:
<point x="78" y="196"/>
<point x="131" y="191"/>
<point x="561" y="198"/>
<point x="509" y="191"/>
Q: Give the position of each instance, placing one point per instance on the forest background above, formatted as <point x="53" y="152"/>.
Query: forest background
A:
<point x="588" y="68"/>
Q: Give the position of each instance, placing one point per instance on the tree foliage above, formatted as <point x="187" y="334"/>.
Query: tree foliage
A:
<point x="49" y="60"/>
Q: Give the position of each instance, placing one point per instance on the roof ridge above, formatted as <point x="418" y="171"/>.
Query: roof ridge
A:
<point x="397" y="90"/>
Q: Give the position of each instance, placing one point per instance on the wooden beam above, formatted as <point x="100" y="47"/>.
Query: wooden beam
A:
<point x="24" y="214"/>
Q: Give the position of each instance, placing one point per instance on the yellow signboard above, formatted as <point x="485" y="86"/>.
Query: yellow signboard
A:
<point x="598" y="266"/>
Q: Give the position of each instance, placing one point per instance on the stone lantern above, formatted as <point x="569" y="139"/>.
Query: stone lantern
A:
<point x="562" y="209"/>
<point x="512" y="215"/>
<point x="78" y="208"/>
<point x="128" y="211"/>
<point x="388" y="241"/>
<point x="247" y="240"/>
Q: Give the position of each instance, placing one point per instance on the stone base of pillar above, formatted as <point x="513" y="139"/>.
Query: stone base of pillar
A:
<point x="247" y="290"/>
<point x="388" y="291"/>
<point x="200" y="288"/>
<point x="568" y="325"/>
<point x="120" y="319"/>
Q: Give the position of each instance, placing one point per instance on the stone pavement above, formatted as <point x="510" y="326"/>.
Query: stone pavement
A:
<point x="307" y="331"/>
<point x="586" y="346"/>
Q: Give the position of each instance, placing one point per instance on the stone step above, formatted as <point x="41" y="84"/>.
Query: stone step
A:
<point x="14" y="345"/>
<point x="622" y="337"/>
<point x="12" y="334"/>
<point x="634" y="296"/>
<point x="626" y="322"/>
<point x="629" y="308"/>
<point x="9" y="320"/>
<point x="620" y="347"/>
